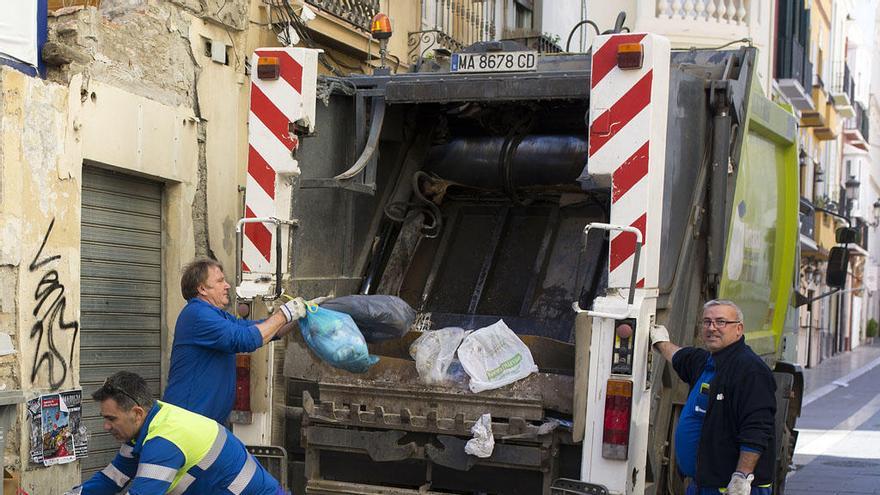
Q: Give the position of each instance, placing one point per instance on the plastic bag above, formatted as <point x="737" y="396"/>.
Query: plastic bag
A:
<point x="335" y="338"/>
<point x="379" y="317"/>
<point x="434" y="353"/>
<point x="494" y="356"/>
<point x="483" y="442"/>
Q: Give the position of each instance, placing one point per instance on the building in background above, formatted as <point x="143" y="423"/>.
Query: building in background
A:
<point x="823" y="62"/>
<point x="700" y="24"/>
<point x="872" y="187"/>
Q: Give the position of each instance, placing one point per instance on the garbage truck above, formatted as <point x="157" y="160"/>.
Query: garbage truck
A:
<point x="580" y="198"/>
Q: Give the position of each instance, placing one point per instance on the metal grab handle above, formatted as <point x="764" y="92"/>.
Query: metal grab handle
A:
<point x="239" y="247"/>
<point x="377" y="120"/>
<point x="635" y="270"/>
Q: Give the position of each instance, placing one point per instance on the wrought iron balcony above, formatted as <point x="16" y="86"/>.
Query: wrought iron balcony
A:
<point x="794" y="71"/>
<point x="452" y="25"/>
<point x="808" y="219"/>
<point x="357" y="12"/>
<point x="864" y="230"/>
<point x="843" y="91"/>
<point x="533" y="40"/>
<point x="856" y="130"/>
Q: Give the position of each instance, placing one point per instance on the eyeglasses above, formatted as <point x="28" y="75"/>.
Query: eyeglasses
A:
<point x="718" y="322"/>
<point x="113" y="388"/>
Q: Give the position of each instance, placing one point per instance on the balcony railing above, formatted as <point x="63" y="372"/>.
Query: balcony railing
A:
<point x="792" y="63"/>
<point x="808" y="219"/>
<point x="794" y="71"/>
<point x="706" y="23"/>
<point x="864" y="122"/>
<point x="535" y="41"/>
<point x="843" y="90"/>
<point x="856" y="129"/>
<point x="863" y="235"/>
<point x="711" y="11"/>
<point x="357" y="12"/>
<point x="452" y="25"/>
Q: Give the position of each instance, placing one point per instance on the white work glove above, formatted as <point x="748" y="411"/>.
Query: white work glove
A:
<point x="75" y="491"/>
<point x="294" y="309"/>
<point x="659" y="334"/>
<point x="740" y="484"/>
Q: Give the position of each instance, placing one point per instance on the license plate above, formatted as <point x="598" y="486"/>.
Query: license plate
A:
<point x="494" y="62"/>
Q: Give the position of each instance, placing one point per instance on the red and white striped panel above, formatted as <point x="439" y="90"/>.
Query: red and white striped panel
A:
<point x="274" y="104"/>
<point x="628" y="148"/>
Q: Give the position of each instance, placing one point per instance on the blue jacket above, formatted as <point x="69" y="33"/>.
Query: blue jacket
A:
<point x="179" y="452"/>
<point x="202" y="374"/>
<point x="740" y="412"/>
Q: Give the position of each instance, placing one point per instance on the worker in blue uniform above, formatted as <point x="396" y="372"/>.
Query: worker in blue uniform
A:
<point x="207" y="338"/>
<point x="167" y="449"/>
<point x="725" y="439"/>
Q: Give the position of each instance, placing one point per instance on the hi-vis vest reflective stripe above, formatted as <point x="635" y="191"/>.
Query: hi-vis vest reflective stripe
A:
<point x="199" y="438"/>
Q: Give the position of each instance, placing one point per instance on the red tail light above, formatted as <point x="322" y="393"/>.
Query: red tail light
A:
<point x="242" y="383"/>
<point x="618" y="412"/>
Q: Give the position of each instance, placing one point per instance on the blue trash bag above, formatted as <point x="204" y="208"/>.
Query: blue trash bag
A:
<point x="335" y="338"/>
<point x="378" y="317"/>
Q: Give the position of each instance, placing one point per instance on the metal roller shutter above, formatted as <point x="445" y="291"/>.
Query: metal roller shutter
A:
<point x="121" y="306"/>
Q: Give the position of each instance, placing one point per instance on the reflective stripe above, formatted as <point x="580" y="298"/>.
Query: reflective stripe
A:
<point x="214" y="453"/>
<point x="116" y="475"/>
<point x="186" y="480"/>
<point x="244" y="477"/>
<point x="126" y="451"/>
<point x="156" y="472"/>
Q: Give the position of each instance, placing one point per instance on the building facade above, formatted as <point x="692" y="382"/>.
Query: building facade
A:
<point x="824" y="62"/>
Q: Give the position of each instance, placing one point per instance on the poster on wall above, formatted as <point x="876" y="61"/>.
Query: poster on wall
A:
<point x="57" y="433"/>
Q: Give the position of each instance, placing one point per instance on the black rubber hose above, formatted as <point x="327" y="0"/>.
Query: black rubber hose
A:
<point x="575" y="28"/>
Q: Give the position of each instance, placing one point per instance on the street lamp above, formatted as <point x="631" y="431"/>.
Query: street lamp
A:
<point x="852" y="190"/>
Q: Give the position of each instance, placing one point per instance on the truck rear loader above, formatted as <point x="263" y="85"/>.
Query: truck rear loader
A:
<point x="581" y="198"/>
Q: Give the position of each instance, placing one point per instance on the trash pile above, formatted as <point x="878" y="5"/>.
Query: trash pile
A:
<point x="338" y="330"/>
<point x="488" y="358"/>
<point x="492" y="357"/>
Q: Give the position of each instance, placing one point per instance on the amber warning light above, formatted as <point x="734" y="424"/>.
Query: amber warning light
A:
<point x="380" y="27"/>
<point x="268" y="68"/>
<point x="630" y="55"/>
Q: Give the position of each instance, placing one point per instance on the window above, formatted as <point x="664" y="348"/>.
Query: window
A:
<point x="523" y="13"/>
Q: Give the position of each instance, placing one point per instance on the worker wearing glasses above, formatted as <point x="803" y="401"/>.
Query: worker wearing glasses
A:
<point x="724" y="441"/>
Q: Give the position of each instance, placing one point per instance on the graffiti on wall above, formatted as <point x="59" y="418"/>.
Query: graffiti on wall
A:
<point x="50" y="311"/>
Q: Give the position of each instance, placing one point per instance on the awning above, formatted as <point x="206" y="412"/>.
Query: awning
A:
<point x="857" y="250"/>
<point x="810" y="249"/>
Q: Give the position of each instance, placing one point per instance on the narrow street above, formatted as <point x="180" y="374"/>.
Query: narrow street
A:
<point x="838" y="449"/>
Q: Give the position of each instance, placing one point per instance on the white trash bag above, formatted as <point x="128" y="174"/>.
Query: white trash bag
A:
<point x="483" y="442"/>
<point x="434" y="352"/>
<point x="494" y="356"/>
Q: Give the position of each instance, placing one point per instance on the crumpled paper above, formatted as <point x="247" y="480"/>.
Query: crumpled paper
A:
<point x="483" y="442"/>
